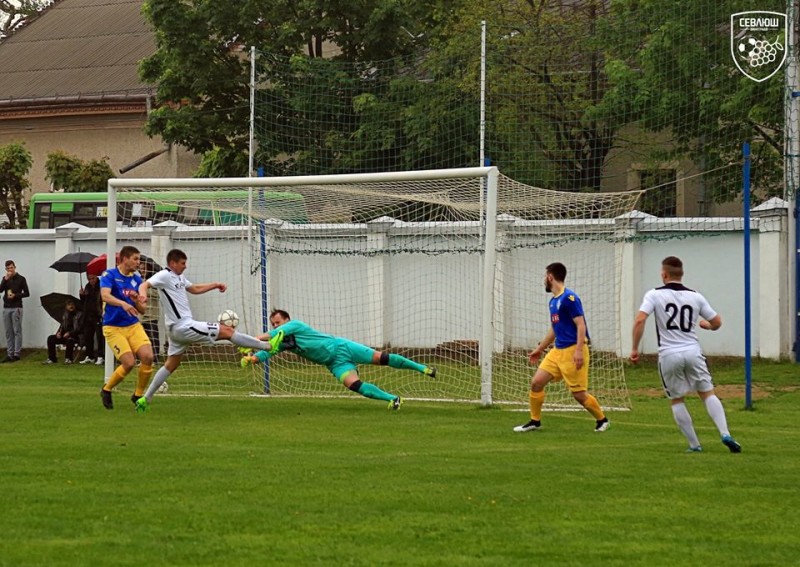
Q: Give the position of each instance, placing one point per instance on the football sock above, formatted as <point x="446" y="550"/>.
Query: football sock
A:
<point x="262" y="355"/>
<point x="117" y="377"/>
<point x="717" y="414"/>
<point x="397" y="361"/>
<point x="593" y="407"/>
<point x="372" y="391"/>
<point x="240" y="339"/>
<point x="536" y="402"/>
<point x="161" y="376"/>
<point x="143" y="378"/>
<point x="684" y="421"/>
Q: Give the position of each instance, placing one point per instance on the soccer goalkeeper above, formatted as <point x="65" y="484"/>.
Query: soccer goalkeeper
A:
<point x="340" y="356"/>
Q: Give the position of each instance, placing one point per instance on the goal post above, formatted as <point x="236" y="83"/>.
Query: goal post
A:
<point x="443" y="266"/>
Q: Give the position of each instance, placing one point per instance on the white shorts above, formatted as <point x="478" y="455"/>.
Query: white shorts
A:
<point x="683" y="372"/>
<point x="187" y="332"/>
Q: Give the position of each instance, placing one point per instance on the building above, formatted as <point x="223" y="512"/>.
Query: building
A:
<point x="69" y="81"/>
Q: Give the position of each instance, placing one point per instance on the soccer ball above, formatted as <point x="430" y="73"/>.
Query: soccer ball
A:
<point x="229" y="318"/>
<point x="163" y="388"/>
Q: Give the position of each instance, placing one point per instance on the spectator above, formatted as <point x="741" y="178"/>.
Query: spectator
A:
<point x="92" y="329"/>
<point x="67" y="334"/>
<point x="14" y="288"/>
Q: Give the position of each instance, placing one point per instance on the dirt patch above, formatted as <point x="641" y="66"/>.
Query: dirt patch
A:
<point x="724" y="391"/>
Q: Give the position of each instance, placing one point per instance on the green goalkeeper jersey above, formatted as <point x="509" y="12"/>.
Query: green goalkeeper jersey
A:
<point x="307" y="342"/>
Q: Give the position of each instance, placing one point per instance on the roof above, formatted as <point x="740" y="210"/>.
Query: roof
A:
<point x="77" y="50"/>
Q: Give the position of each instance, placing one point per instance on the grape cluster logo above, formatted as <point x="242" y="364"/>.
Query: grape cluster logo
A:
<point x="758" y="43"/>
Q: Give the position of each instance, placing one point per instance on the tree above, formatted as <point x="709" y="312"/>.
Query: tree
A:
<point x="16" y="13"/>
<point x="202" y="70"/>
<point x="73" y="175"/>
<point x="672" y="72"/>
<point x="15" y="163"/>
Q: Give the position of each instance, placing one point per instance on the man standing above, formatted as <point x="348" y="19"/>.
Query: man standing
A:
<point x="14" y="289"/>
<point x="569" y="360"/>
<point x="678" y="312"/>
<point x="92" y="331"/>
<point x="119" y="289"/>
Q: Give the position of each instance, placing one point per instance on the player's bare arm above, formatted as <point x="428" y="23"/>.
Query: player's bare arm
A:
<point x="638" y="332"/>
<point x="711" y="325"/>
<point x="580" y="325"/>
<point x="197" y="289"/>
<point x="143" y="292"/>
<point x="548" y="339"/>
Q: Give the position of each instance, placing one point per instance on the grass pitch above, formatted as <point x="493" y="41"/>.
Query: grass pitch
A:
<point x="291" y="481"/>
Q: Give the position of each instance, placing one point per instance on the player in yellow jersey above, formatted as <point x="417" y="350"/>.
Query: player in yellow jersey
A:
<point x="569" y="360"/>
<point x="119" y="289"/>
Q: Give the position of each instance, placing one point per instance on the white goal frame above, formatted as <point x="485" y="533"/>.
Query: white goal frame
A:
<point x="490" y="174"/>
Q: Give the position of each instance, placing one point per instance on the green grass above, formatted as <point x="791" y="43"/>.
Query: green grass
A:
<point x="289" y="481"/>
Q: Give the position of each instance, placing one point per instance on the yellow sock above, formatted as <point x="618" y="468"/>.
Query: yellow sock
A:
<point x="536" y="402"/>
<point x="143" y="378"/>
<point x="593" y="407"/>
<point x="117" y="377"/>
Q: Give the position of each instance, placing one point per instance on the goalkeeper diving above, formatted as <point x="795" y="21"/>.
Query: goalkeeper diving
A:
<point x="340" y="356"/>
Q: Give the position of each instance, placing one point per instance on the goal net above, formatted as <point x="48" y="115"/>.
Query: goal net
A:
<point x="443" y="266"/>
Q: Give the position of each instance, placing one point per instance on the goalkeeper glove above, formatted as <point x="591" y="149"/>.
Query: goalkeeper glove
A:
<point x="261" y="356"/>
<point x="275" y="343"/>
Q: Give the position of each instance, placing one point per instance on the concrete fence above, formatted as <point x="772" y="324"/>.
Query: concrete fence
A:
<point x="379" y="295"/>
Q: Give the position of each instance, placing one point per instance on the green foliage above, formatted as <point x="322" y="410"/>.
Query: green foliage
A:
<point x="15" y="14"/>
<point x="202" y="71"/>
<point x="664" y="60"/>
<point x="15" y="163"/>
<point x="223" y="162"/>
<point x="73" y="175"/>
<point x="259" y="481"/>
<point x="378" y="116"/>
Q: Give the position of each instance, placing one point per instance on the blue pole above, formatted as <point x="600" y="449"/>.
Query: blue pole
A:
<point x="262" y="240"/>
<point x="748" y="360"/>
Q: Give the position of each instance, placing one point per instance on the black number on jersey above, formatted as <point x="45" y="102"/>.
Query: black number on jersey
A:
<point x="684" y="314"/>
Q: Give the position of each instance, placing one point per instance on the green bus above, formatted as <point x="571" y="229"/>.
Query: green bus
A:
<point x="147" y="208"/>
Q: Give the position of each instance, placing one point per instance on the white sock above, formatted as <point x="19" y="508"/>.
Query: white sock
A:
<point x="717" y="413"/>
<point x="160" y="377"/>
<point x="684" y="421"/>
<point x="240" y="339"/>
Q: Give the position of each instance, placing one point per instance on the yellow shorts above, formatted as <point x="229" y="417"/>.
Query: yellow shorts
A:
<point x="125" y="339"/>
<point x="559" y="364"/>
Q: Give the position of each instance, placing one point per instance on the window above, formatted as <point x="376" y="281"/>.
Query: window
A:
<point x="661" y="196"/>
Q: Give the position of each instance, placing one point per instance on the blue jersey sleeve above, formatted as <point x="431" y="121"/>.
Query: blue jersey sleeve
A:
<point x="573" y="305"/>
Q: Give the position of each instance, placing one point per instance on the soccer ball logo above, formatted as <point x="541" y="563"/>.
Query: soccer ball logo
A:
<point x="758" y="52"/>
<point x="229" y="318"/>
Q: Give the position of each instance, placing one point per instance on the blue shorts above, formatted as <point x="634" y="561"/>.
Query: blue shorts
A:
<point x="348" y="356"/>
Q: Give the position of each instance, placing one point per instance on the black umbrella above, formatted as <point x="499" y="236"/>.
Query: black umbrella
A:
<point x="73" y="262"/>
<point x="56" y="303"/>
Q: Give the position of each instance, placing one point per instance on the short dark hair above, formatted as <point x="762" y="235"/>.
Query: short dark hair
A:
<point x="175" y="255"/>
<point x="10" y="263"/>
<point x="558" y="271"/>
<point x="281" y="312"/>
<point x="673" y="266"/>
<point x="128" y="251"/>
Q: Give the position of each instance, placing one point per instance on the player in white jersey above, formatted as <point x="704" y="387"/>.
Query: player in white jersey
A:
<point x="678" y="311"/>
<point x="183" y="330"/>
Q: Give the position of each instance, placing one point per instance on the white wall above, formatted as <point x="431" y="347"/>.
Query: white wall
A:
<point x="417" y="296"/>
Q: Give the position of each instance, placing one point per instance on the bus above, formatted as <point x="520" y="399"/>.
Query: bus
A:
<point x="147" y="208"/>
